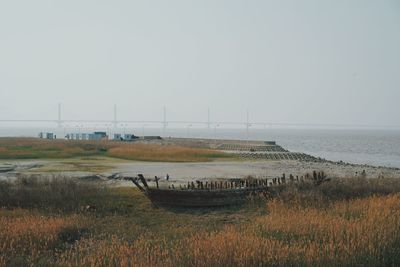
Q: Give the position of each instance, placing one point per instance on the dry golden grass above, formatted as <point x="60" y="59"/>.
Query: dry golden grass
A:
<point x="21" y="148"/>
<point x="26" y="237"/>
<point x="151" y="152"/>
<point x="363" y="231"/>
<point x="124" y="230"/>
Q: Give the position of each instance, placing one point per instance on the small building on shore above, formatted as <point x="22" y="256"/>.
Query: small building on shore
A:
<point x="87" y="136"/>
<point x="125" y="137"/>
<point x="49" y="136"/>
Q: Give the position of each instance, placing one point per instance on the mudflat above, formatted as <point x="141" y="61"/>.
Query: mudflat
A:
<point x="188" y="171"/>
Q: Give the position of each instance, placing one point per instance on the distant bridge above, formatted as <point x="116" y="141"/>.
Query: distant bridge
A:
<point x="188" y="123"/>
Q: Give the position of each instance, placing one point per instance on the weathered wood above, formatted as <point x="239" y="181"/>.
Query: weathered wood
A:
<point x="156" y="179"/>
<point x="200" y="194"/>
<point x="141" y="177"/>
<point x="135" y="182"/>
<point x="201" y="198"/>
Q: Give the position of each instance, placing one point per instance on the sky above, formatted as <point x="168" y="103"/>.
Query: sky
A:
<point x="311" y="61"/>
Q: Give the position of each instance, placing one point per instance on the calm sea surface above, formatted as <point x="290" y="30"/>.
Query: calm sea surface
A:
<point x="375" y="147"/>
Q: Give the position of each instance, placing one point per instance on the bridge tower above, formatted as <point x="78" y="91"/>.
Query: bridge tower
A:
<point x="59" y="121"/>
<point x="247" y="125"/>
<point x="208" y="118"/>
<point x="115" y="122"/>
<point x="165" y="123"/>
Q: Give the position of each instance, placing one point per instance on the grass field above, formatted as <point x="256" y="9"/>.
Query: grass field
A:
<point x="33" y="148"/>
<point x="347" y="222"/>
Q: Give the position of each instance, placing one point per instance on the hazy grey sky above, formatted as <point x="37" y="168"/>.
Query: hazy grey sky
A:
<point x="286" y="61"/>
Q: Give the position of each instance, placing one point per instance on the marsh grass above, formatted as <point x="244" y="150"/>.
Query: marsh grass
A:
<point x="55" y="194"/>
<point x="33" y="148"/>
<point x="354" y="222"/>
<point x="172" y="153"/>
<point x="30" y="239"/>
<point x="287" y="236"/>
<point x="309" y="195"/>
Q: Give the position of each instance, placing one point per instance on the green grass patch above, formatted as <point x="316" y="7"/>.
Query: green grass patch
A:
<point x="31" y="148"/>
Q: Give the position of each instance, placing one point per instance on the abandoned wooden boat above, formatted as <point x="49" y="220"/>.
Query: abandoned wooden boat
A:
<point x="202" y="195"/>
<point x="217" y="193"/>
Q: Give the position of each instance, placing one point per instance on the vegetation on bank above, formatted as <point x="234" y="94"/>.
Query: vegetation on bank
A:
<point x="344" y="222"/>
<point x="33" y="148"/>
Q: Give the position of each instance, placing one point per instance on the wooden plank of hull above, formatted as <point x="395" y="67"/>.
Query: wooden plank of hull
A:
<point x="199" y="198"/>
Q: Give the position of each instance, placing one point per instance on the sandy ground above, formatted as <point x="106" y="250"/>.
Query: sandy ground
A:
<point x="235" y="169"/>
<point x="183" y="172"/>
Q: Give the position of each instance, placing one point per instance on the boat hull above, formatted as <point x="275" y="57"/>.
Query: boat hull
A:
<point x="200" y="198"/>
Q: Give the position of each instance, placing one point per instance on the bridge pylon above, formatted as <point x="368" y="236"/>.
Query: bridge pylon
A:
<point x="115" y="122"/>
<point x="59" y="121"/>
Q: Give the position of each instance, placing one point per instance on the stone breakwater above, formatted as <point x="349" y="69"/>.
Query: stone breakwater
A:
<point x="263" y="150"/>
<point x="278" y="156"/>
